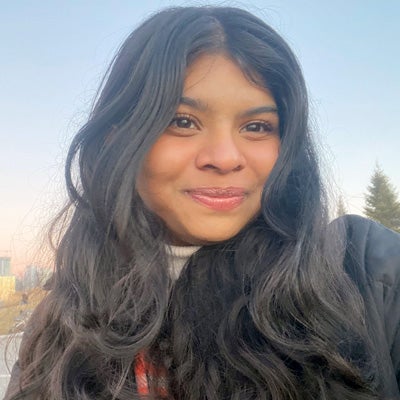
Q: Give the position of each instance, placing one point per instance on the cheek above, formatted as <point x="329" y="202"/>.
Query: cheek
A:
<point x="168" y="156"/>
<point x="147" y="182"/>
<point x="264" y="159"/>
<point x="149" y="185"/>
<point x="159" y="173"/>
<point x="154" y="168"/>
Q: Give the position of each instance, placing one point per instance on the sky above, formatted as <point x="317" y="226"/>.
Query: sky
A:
<point x="54" y="54"/>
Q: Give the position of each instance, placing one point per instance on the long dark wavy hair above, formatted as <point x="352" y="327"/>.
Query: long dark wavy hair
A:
<point x="267" y="314"/>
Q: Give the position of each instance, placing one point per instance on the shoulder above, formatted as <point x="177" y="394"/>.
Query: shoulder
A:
<point x="372" y="260"/>
<point x="372" y="250"/>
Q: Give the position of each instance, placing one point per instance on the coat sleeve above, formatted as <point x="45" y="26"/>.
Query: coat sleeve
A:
<point x="384" y="251"/>
<point x="373" y="262"/>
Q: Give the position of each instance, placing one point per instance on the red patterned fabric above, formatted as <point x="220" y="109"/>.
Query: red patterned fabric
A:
<point x="146" y="373"/>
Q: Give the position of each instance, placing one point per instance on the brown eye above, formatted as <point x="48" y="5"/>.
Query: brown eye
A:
<point x="183" y="123"/>
<point x="258" y="127"/>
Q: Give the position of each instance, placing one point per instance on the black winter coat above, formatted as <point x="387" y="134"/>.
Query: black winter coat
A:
<point x="373" y="262"/>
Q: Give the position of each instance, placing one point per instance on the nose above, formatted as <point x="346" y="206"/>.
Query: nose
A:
<point x="221" y="153"/>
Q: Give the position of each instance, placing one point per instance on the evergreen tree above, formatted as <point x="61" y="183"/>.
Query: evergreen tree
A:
<point x="382" y="204"/>
<point x="341" y="208"/>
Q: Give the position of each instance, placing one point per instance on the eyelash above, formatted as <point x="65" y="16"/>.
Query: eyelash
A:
<point x="267" y="126"/>
<point x="181" y="117"/>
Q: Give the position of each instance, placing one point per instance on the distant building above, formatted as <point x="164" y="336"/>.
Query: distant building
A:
<point x="32" y="276"/>
<point x="5" y="266"/>
<point x="7" y="286"/>
<point x="19" y="284"/>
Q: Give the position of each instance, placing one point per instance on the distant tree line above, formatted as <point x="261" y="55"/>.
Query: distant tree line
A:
<point x="381" y="201"/>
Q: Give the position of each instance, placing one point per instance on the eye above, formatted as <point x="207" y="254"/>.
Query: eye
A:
<point x="258" y="127"/>
<point x="183" y="122"/>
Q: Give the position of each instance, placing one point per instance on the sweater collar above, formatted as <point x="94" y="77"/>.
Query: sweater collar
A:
<point x="177" y="258"/>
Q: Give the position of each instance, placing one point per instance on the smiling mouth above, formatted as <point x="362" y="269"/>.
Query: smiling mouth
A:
<point x="219" y="199"/>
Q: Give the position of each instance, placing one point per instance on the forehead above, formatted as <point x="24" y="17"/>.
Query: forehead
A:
<point x="207" y="62"/>
<point x="215" y="75"/>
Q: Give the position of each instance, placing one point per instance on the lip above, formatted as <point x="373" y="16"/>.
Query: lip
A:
<point x="217" y="198"/>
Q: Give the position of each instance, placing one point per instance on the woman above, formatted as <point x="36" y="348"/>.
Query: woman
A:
<point x="198" y="262"/>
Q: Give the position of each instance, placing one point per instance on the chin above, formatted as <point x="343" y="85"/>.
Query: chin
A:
<point x="207" y="239"/>
<point x="206" y="234"/>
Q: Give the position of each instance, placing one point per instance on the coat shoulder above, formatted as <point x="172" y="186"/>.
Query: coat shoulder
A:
<point x="372" y="250"/>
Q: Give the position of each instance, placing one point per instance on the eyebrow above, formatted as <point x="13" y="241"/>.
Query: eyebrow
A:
<point x="199" y="105"/>
<point x="259" y="110"/>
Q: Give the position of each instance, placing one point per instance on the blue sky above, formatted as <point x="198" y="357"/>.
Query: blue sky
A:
<point x="54" y="54"/>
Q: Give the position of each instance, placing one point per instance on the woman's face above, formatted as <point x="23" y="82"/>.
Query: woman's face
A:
<point x="205" y="174"/>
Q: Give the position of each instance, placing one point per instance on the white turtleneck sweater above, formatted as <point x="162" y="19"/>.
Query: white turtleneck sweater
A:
<point x="177" y="258"/>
